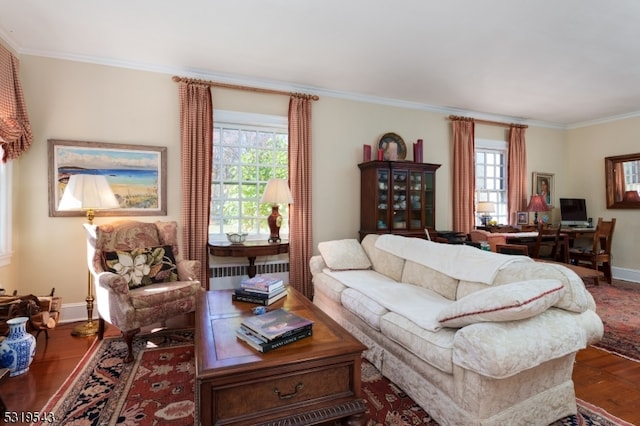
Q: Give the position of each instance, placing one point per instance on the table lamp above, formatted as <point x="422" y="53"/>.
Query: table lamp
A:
<point x="537" y="204"/>
<point x="631" y="196"/>
<point x="485" y="207"/>
<point x="276" y="192"/>
<point x="90" y="193"/>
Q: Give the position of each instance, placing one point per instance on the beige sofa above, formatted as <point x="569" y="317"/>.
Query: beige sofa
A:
<point x="474" y="337"/>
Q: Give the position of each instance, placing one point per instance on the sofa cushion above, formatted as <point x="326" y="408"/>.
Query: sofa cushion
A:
<point x="383" y="262"/>
<point x="142" y="266"/>
<point x="575" y="297"/>
<point x="508" y="302"/>
<point x="365" y="308"/>
<point x="433" y="348"/>
<point x="431" y="279"/>
<point x="342" y="255"/>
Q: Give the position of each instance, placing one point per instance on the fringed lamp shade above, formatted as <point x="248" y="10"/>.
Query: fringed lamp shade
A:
<point x="631" y="196"/>
<point x="537" y="204"/>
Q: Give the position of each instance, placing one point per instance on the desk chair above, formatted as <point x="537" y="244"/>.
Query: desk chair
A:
<point x="554" y="241"/>
<point x="598" y="256"/>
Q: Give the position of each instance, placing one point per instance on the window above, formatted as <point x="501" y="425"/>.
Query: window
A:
<point x="491" y="177"/>
<point x="248" y="150"/>
<point x="5" y="212"/>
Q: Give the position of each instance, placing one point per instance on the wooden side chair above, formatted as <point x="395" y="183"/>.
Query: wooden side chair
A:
<point x="519" y="249"/>
<point x="550" y="246"/>
<point x="598" y="256"/>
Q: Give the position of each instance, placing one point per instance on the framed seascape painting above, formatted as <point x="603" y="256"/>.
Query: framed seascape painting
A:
<point x="137" y="175"/>
<point x="542" y="184"/>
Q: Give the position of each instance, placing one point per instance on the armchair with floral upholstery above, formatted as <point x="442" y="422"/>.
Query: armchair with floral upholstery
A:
<point x="139" y="275"/>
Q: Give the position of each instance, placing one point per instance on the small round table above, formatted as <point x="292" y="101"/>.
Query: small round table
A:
<point x="250" y="250"/>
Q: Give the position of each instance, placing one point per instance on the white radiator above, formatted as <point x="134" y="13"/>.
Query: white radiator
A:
<point x="226" y="276"/>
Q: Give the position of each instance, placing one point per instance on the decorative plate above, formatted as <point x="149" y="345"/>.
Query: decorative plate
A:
<point x="386" y="142"/>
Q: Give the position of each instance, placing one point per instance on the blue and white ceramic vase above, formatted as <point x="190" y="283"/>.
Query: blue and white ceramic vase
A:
<point x="18" y="348"/>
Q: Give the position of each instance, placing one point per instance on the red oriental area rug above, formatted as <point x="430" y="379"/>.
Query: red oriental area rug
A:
<point x="618" y="306"/>
<point x="158" y="389"/>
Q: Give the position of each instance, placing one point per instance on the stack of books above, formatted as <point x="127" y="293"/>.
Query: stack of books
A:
<point x="274" y="329"/>
<point x="260" y="290"/>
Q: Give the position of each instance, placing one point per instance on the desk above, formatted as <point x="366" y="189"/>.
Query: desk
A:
<point x="530" y="241"/>
<point x="250" y="250"/>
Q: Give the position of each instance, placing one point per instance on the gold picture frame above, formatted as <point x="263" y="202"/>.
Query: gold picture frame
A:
<point x="543" y="184"/>
<point x="137" y="175"/>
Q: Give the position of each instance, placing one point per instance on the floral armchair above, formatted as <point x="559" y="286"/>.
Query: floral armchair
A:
<point x="139" y="276"/>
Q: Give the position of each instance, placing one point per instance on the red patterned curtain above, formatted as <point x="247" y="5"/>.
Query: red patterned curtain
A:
<point x="15" y="129"/>
<point x="464" y="182"/>
<point x="300" y="231"/>
<point x="517" y="172"/>
<point x="196" y="134"/>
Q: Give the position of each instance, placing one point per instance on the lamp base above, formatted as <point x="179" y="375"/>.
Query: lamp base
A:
<point x="87" y="329"/>
<point x="274" y="220"/>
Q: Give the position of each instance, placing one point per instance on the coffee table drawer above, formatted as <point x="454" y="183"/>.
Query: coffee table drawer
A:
<point x="273" y="392"/>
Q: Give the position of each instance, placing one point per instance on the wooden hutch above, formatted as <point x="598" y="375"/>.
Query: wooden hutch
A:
<point x="397" y="197"/>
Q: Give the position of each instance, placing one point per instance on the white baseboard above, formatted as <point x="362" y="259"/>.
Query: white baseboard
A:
<point x="75" y="312"/>
<point x="625" y="274"/>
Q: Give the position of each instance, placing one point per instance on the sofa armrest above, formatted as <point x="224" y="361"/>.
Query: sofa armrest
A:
<point x="316" y="264"/>
<point x="503" y="349"/>
<point x="189" y="270"/>
<point x="112" y="282"/>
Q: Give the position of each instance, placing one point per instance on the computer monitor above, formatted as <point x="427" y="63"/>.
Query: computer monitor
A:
<point x="573" y="212"/>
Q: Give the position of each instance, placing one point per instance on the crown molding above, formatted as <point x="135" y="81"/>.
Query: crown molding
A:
<point x="284" y="86"/>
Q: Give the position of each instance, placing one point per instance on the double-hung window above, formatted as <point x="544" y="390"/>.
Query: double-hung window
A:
<point x="248" y="150"/>
<point x="491" y="177"/>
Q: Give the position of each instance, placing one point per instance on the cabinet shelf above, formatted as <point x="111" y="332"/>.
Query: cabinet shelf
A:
<point x="397" y="197"/>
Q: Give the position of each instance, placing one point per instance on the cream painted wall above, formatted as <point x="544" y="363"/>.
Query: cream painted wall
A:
<point x="79" y="101"/>
<point x="586" y="149"/>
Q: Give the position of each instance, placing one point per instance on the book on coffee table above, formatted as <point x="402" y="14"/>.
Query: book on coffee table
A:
<point x="257" y="343"/>
<point x="258" y="298"/>
<point x="276" y="324"/>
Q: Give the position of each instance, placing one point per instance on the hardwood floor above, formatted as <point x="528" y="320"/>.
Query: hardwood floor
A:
<point x="601" y="378"/>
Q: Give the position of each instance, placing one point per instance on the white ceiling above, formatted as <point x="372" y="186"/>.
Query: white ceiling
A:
<point x="549" y="62"/>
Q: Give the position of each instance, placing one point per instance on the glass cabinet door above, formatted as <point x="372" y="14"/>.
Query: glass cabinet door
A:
<point x="414" y="202"/>
<point x="429" y="199"/>
<point x="399" y="193"/>
<point x="383" y="199"/>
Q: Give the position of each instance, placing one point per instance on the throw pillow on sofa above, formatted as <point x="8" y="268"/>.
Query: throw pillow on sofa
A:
<point x="343" y="255"/>
<point x="142" y="266"/>
<point x="509" y="302"/>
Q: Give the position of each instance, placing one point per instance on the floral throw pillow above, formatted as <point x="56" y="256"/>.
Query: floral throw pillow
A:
<point x="142" y="266"/>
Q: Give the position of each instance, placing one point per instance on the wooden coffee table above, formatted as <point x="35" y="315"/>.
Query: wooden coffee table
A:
<point x="312" y="381"/>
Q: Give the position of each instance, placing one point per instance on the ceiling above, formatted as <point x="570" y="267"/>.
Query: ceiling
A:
<point x="547" y="62"/>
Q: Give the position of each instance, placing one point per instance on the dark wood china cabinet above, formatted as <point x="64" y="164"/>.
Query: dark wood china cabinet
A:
<point x="397" y="197"/>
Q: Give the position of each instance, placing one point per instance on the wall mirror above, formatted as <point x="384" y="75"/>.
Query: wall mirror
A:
<point x="622" y="173"/>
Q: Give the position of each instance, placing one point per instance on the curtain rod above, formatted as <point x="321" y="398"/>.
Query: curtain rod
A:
<point x="489" y="122"/>
<point x="239" y="87"/>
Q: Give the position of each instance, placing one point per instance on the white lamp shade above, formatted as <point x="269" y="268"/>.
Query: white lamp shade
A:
<point x="486" y="207"/>
<point x="277" y="192"/>
<point x="84" y="192"/>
